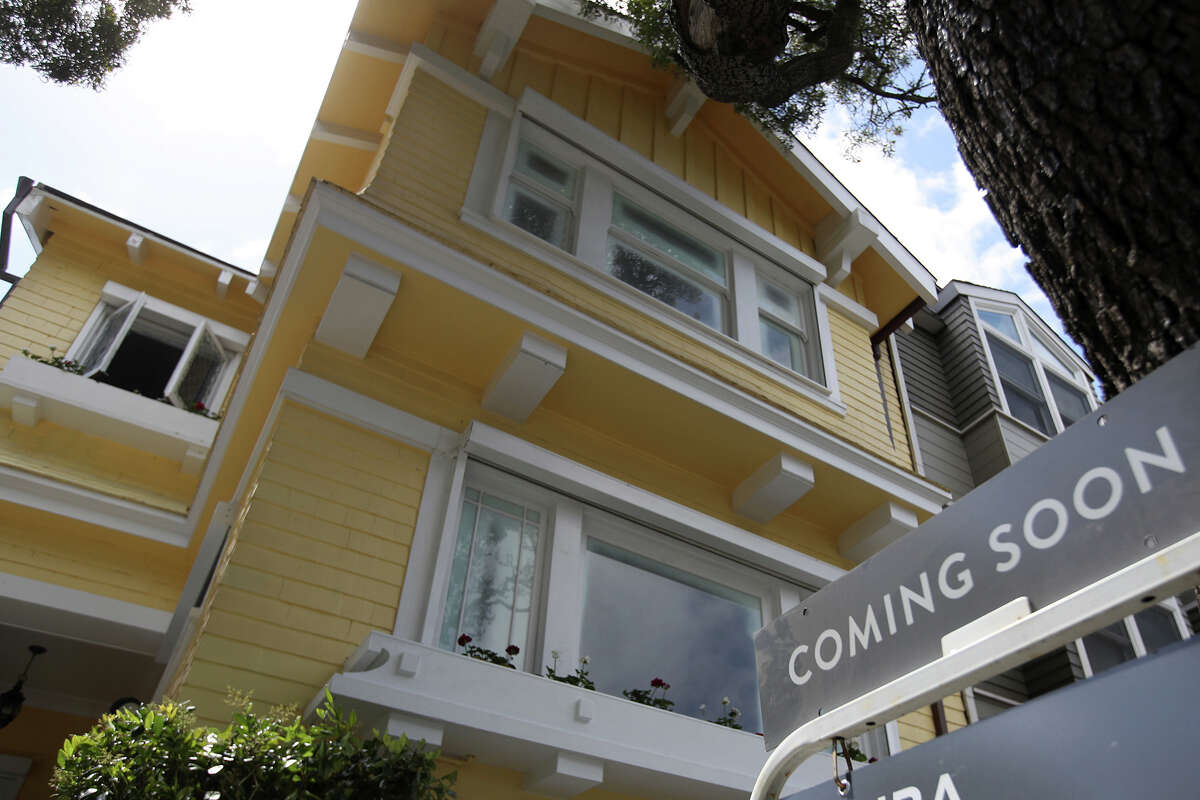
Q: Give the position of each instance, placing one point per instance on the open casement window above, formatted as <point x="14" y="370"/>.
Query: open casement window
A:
<point x="198" y="369"/>
<point x="114" y="326"/>
<point x="141" y="344"/>
<point x="541" y="571"/>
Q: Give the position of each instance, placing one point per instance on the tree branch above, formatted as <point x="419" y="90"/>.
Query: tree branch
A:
<point x="909" y="96"/>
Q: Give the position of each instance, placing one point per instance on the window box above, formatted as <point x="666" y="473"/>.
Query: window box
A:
<point x="522" y="721"/>
<point x="38" y="391"/>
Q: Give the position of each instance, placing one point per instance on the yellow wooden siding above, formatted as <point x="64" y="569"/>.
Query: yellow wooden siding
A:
<point x="45" y="547"/>
<point x="917" y="727"/>
<point x="37" y="735"/>
<point x="48" y="308"/>
<point x="315" y="562"/>
<point x="422" y="179"/>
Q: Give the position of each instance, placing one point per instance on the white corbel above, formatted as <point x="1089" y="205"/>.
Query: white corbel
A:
<point x="499" y="34"/>
<point x="840" y="240"/>
<point x="525" y="377"/>
<point x="883" y="525"/>
<point x="773" y="487"/>
<point x="683" y="104"/>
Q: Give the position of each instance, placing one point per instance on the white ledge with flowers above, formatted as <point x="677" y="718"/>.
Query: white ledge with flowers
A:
<point x="565" y="739"/>
<point x="38" y="391"/>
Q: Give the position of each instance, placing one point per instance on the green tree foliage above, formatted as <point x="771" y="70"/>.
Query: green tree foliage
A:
<point x="155" y="752"/>
<point x="76" y="41"/>
<point x="783" y="62"/>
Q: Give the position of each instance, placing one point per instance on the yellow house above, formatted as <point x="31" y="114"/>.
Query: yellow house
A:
<point x="546" y="351"/>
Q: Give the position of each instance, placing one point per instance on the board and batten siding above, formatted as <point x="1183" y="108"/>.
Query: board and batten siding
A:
<point x="422" y="180"/>
<point x="968" y="378"/>
<point x="314" y="563"/>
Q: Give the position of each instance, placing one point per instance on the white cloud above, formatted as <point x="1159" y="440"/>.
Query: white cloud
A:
<point x="937" y="213"/>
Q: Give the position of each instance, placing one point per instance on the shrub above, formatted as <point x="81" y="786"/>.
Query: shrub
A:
<point x="155" y="752"/>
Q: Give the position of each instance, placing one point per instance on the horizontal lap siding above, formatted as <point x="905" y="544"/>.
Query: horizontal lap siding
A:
<point x="1019" y="440"/>
<point x="985" y="449"/>
<point x="315" y="562"/>
<point x="422" y="180"/>
<point x="965" y="364"/>
<point x="943" y="455"/>
<point x="923" y="374"/>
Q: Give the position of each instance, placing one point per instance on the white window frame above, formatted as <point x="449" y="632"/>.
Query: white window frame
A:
<point x="231" y="341"/>
<point x="696" y="215"/>
<point x="556" y="624"/>
<point x="1077" y="379"/>
<point x="1169" y="605"/>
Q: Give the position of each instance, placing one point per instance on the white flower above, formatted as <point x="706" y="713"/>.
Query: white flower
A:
<point x="703" y="708"/>
<point x="724" y="701"/>
<point x="733" y="712"/>
<point x="584" y="659"/>
<point x="555" y="654"/>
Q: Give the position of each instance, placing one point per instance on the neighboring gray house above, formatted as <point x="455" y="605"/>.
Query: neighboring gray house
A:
<point x="988" y="381"/>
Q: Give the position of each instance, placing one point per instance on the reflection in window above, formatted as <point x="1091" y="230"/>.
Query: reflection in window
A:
<point x="1158" y="628"/>
<point x="491" y="581"/>
<point x="541" y="196"/>
<point x="1001" y="322"/>
<point x="655" y="279"/>
<point x="1020" y="385"/>
<point x="1108" y="647"/>
<point x="644" y="619"/>
<point x="1072" y="404"/>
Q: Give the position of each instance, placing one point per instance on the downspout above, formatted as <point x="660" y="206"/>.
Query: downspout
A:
<point x="24" y="187"/>
<point x="877" y="339"/>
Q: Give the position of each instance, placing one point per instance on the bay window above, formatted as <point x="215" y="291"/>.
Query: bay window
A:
<point x="1038" y="384"/>
<point x="561" y="580"/>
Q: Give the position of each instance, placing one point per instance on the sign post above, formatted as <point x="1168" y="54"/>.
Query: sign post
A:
<point x="1101" y="518"/>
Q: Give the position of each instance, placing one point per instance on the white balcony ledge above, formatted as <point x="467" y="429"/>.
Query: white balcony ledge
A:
<point x="35" y="391"/>
<point x="524" y="722"/>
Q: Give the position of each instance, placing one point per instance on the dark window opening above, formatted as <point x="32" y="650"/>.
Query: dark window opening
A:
<point x="142" y="365"/>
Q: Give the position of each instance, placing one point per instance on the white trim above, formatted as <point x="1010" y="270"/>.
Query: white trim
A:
<point x="906" y="408"/>
<point x="202" y="566"/>
<point x="446" y="71"/>
<point x="83" y="616"/>
<point x="496" y="447"/>
<point x="47" y="198"/>
<point x="109" y="412"/>
<point x="1169" y="570"/>
<point x="346" y="136"/>
<point x="85" y="505"/>
<point x="855" y="311"/>
<point x="374" y="47"/>
<point x="349" y="216"/>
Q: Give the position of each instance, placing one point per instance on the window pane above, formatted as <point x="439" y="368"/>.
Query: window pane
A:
<point x="780" y="303"/>
<point x="543" y="218"/>
<point x="491" y="582"/>
<point x="202" y="372"/>
<point x="1014" y="367"/>
<point x="643" y="620"/>
<point x="987" y="707"/>
<point x="1001" y="322"/>
<point x="1072" y="403"/>
<point x="675" y="243"/>
<point x="1158" y="628"/>
<point x="644" y="274"/>
<point x="1049" y="355"/>
<point x="1032" y="412"/>
<point x="546" y="170"/>
<point x="1108" y="647"/>
<point x="782" y="346"/>
<point x="106" y="335"/>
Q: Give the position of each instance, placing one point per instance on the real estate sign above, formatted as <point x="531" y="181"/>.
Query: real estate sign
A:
<point x="1123" y="734"/>
<point x="1112" y="489"/>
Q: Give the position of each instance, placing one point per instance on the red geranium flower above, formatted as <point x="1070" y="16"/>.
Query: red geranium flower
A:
<point x="657" y="683"/>
<point x="512" y="649"/>
<point x="463" y="640"/>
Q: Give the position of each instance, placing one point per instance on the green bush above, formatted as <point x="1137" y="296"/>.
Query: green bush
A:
<point x="155" y="752"/>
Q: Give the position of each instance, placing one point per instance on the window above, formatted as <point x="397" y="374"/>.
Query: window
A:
<point x="601" y="216"/>
<point x="638" y="603"/>
<point x="136" y="342"/>
<point x="1038" y="384"/>
<point x="1141" y="634"/>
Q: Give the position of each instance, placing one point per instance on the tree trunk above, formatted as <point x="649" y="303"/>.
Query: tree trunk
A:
<point x="1081" y="120"/>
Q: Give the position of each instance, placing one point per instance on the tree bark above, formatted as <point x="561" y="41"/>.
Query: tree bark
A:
<point x="1081" y="121"/>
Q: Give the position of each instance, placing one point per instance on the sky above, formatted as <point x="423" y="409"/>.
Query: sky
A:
<point x="198" y="136"/>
